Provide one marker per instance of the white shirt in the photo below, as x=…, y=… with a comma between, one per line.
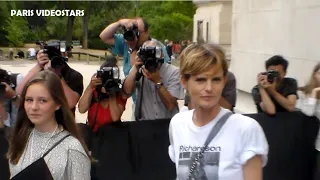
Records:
x=240, y=139
x=32, y=52
x=184, y=108
x=310, y=107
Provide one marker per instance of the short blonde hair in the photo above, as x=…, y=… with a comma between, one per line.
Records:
x=198, y=58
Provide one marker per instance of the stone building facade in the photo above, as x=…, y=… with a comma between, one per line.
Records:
x=254, y=30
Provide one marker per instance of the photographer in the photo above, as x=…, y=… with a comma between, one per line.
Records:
x=136, y=32
x=103, y=98
x=50, y=58
x=275, y=93
x=9, y=100
x=158, y=84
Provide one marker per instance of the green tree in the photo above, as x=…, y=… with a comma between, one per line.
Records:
x=4, y=15
x=169, y=19
x=109, y=12
x=17, y=29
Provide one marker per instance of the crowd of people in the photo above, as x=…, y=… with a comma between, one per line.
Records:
x=37, y=111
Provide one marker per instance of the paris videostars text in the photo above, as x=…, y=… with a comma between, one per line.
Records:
x=47, y=12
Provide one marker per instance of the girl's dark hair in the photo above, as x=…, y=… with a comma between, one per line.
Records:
x=110, y=61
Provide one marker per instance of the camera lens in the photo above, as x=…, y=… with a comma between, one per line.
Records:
x=115, y=72
x=129, y=36
x=56, y=62
x=151, y=65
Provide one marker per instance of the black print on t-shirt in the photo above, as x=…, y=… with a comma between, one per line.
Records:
x=206, y=169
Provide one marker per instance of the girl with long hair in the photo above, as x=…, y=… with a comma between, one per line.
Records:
x=46, y=143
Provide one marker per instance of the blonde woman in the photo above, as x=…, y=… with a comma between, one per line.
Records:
x=309, y=104
x=235, y=151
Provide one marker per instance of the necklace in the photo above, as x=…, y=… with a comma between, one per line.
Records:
x=31, y=137
x=44, y=150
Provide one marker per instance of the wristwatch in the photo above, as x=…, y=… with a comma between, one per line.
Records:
x=158, y=85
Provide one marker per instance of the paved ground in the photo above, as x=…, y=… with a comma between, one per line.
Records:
x=23, y=66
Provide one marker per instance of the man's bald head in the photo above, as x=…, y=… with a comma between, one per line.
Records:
x=150, y=43
x=154, y=43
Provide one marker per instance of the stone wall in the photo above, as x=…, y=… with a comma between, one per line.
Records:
x=263, y=28
x=217, y=16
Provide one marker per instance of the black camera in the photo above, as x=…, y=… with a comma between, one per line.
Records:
x=271, y=75
x=130, y=34
x=151, y=57
x=53, y=49
x=4, y=77
x=110, y=77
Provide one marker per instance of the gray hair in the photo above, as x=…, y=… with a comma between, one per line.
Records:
x=157, y=43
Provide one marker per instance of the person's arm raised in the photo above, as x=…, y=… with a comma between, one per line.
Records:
x=85, y=100
x=107, y=34
x=42, y=59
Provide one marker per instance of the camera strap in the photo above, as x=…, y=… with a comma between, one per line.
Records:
x=137, y=111
x=97, y=100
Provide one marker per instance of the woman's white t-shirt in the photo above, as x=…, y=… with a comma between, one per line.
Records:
x=240, y=139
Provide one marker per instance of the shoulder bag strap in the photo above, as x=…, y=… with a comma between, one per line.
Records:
x=94, y=100
x=137, y=111
x=57, y=143
x=95, y=116
x=214, y=131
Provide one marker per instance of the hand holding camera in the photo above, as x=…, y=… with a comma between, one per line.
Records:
x=126, y=23
x=262, y=81
x=139, y=62
x=51, y=52
x=131, y=32
x=152, y=76
x=95, y=81
x=42, y=58
x=150, y=59
x=268, y=79
x=108, y=81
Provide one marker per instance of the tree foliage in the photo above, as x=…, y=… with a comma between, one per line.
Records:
x=168, y=19
x=16, y=28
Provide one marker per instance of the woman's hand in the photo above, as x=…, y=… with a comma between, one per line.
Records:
x=315, y=92
x=95, y=81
